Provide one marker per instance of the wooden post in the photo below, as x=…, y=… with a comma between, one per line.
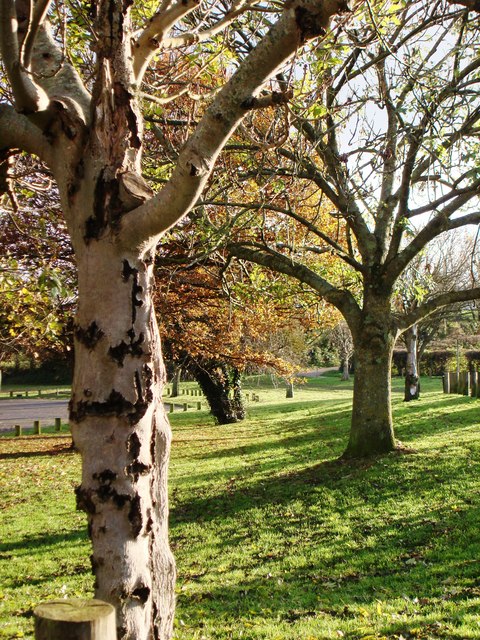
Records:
x=446, y=383
x=39, y=393
x=11, y=394
x=36, y=427
x=185, y=406
x=58, y=424
x=75, y=619
x=199, y=406
x=453, y=381
x=468, y=382
x=475, y=384
x=172, y=407
x=18, y=430
x=26, y=393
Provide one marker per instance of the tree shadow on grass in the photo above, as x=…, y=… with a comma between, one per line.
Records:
x=39, y=543
x=419, y=558
x=34, y=446
x=431, y=418
x=306, y=431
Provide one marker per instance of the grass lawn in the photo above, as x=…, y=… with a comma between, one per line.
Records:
x=34, y=391
x=274, y=538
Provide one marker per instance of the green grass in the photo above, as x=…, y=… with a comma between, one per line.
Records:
x=274, y=538
x=46, y=391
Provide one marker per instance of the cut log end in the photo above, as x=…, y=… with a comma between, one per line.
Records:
x=75, y=619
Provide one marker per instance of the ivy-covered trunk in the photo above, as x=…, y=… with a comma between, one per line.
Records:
x=121, y=430
x=372, y=425
x=222, y=387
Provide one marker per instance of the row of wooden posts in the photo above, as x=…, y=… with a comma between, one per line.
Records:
x=37, y=427
x=462, y=383
x=189, y=391
x=28, y=393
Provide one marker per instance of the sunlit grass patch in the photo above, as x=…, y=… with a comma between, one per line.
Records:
x=275, y=538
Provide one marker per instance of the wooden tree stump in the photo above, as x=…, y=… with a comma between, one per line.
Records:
x=75, y=619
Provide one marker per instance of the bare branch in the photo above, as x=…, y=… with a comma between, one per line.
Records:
x=18, y=132
x=343, y=300
x=471, y=5
x=151, y=39
x=267, y=100
x=29, y=97
x=38, y=16
x=299, y=23
x=434, y=303
x=439, y=224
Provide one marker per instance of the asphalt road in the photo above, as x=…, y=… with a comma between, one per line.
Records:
x=24, y=412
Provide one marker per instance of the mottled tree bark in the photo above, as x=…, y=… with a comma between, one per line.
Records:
x=371, y=430
x=120, y=428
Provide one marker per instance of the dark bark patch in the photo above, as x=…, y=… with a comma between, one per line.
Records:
x=141, y=592
x=149, y=523
x=134, y=445
x=137, y=469
x=153, y=442
x=74, y=184
x=90, y=336
x=115, y=405
x=249, y=103
x=122, y=350
x=135, y=516
x=107, y=207
x=96, y=563
x=123, y=99
x=136, y=302
x=84, y=500
x=155, y=617
x=106, y=492
x=309, y=24
x=128, y=270
x=105, y=477
x=147, y=374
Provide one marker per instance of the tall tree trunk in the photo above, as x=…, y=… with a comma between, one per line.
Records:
x=290, y=389
x=345, y=368
x=176, y=382
x=371, y=430
x=222, y=389
x=120, y=428
x=412, y=380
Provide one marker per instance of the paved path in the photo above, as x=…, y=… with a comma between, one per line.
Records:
x=24, y=412
x=315, y=373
